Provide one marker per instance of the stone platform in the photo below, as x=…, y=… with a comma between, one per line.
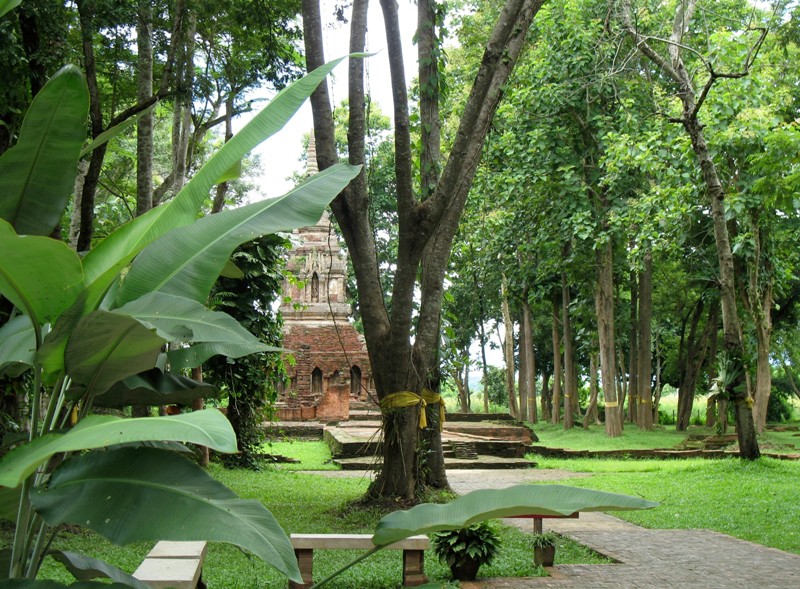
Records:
x=487, y=444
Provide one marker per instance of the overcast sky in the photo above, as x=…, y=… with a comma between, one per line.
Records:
x=281, y=153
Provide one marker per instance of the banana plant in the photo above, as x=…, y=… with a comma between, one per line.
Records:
x=92, y=330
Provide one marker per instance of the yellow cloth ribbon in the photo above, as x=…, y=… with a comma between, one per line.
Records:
x=406, y=399
x=432, y=398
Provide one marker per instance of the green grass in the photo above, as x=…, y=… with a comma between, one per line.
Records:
x=311, y=504
x=312, y=455
x=595, y=438
x=755, y=501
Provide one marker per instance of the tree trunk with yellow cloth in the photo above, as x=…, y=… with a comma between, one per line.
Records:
x=428, y=211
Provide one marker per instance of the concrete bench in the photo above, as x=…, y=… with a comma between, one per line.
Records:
x=176, y=565
x=413, y=554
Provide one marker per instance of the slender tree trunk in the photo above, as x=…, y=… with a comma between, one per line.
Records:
x=633, y=350
x=522, y=374
x=144, y=90
x=570, y=381
x=592, y=414
x=696, y=349
x=467, y=392
x=86, y=17
x=555, y=398
x=657, y=391
x=222, y=187
x=508, y=351
x=644, y=363
x=604, y=306
x=484, y=365
x=530, y=360
x=547, y=397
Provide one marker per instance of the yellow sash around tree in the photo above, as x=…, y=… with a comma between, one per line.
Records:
x=408, y=399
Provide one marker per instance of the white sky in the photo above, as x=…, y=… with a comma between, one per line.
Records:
x=281, y=153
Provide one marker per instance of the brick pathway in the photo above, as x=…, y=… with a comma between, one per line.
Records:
x=646, y=559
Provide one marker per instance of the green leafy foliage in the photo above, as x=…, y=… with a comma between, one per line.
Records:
x=86, y=342
x=476, y=542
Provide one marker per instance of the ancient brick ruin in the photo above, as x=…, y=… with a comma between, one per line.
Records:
x=332, y=367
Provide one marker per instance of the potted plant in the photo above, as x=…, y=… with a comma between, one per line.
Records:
x=464, y=550
x=544, y=548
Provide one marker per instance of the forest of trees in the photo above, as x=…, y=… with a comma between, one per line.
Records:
x=616, y=182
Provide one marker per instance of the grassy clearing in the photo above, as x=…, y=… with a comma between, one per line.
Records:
x=595, y=437
x=633, y=438
x=312, y=504
x=312, y=455
x=754, y=501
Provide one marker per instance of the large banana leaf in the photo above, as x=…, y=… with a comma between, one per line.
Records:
x=41, y=276
x=85, y=568
x=138, y=494
x=9, y=503
x=180, y=319
x=17, y=346
x=188, y=261
x=486, y=504
x=155, y=388
x=206, y=428
x=8, y=5
x=38, y=173
x=103, y=263
x=106, y=347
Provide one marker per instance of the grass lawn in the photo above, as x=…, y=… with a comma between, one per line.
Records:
x=633, y=438
x=755, y=501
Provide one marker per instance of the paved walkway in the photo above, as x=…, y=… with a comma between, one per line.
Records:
x=645, y=559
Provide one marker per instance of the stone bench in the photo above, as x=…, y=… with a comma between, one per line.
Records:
x=175, y=565
x=413, y=554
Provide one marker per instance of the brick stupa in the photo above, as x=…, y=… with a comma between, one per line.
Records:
x=332, y=366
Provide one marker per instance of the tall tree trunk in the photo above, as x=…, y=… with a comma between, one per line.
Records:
x=182, y=112
x=522, y=374
x=604, y=307
x=547, y=397
x=657, y=390
x=696, y=348
x=222, y=187
x=645, y=419
x=397, y=364
x=484, y=365
x=675, y=69
x=508, y=351
x=530, y=359
x=633, y=350
x=144, y=90
x=467, y=392
x=555, y=398
x=86, y=17
x=592, y=414
x=570, y=381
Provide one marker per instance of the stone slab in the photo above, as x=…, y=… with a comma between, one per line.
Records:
x=170, y=549
x=354, y=542
x=163, y=573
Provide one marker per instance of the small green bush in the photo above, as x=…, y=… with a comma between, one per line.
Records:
x=476, y=542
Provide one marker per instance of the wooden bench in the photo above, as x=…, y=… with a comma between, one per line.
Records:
x=413, y=554
x=176, y=565
x=537, y=519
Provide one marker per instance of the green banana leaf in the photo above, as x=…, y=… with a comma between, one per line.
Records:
x=17, y=346
x=188, y=260
x=180, y=319
x=205, y=428
x=8, y=5
x=155, y=387
x=486, y=504
x=173, y=498
x=9, y=503
x=40, y=276
x=106, y=347
x=104, y=262
x=85, y=568
x=38, y=173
